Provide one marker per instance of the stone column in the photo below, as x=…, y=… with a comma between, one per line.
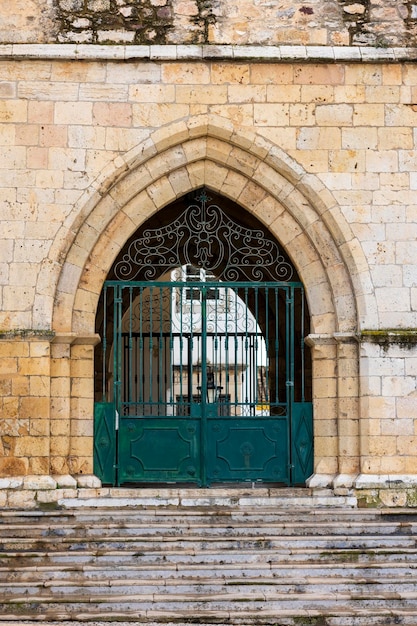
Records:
x=60, y=403
x=82, y=405
x=336, y=409
x=325, y=407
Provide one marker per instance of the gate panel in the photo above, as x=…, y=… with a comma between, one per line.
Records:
x=247, y=450
x=159, y=449
x=302, y=441
x=105, y=441
x=207, y=379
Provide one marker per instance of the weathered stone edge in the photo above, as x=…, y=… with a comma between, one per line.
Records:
x=325, y=54
x=324, y=490
x=386, y=337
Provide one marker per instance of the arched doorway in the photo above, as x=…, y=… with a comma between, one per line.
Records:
x=203, y=375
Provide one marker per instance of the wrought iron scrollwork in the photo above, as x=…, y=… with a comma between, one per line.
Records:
x=204, y=236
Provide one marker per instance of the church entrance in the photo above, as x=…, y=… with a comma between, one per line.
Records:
x=203, y=376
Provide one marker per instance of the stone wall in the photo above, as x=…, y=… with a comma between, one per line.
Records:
x=25, y=403
x=324, y=154
x=380, y=23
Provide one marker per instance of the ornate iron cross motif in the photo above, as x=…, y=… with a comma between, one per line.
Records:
x=205, y=237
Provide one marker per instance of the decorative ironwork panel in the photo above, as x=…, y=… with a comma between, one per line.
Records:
x=204, y=236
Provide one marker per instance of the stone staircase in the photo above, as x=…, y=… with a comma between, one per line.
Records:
x=240, y=559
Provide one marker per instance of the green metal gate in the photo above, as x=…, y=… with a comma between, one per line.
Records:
x=204, y=374
x=206, y=384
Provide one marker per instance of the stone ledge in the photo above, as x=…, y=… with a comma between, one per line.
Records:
x=343, y=491
x=387, y=337
x=73, y=492
x=323, y=54
x=27, y=334
x=386, y=481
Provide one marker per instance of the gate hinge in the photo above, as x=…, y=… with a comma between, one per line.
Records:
x=290, y=383
x=116, y=421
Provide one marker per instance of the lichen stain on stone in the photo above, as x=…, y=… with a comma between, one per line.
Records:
x=373, y=24
x=115, y=21
x=306, y=10
x=203, y=20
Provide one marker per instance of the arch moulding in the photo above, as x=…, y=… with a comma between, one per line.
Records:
x=293, y=205
x=246, y=168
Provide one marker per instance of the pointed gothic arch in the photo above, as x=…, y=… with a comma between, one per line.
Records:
x=203, y=293
x=296, y=209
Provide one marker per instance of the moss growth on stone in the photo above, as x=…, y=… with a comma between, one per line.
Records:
x=406, y=337
x=27, y=333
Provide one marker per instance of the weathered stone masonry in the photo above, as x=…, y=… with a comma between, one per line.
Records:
x=318, y=141
x=380, y=23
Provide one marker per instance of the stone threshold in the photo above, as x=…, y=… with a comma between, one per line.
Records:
x=73, y=492
x=322, y=490
x=204, y=52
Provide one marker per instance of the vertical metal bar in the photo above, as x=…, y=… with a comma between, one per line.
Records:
x=130, y=359
x=290, y=369
x=181, y=346
x=160, y=353
x=254, y=376
x=267, y=348
x=151, y=339
x=117, y=360
x=277, y=346
x=171, y=361
x=141, y=382
x=104, y=343
x=236, y=378
x=302, y=347
x=215, y=345
x=226, y=348
x=190, y=353
x=117, y=365
x=203, y=383
x=246, y=348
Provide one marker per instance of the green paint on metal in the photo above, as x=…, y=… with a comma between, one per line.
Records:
x=302, y=441
x=105, y=442
x=208, y=381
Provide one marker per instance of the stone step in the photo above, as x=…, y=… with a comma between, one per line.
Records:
x=263, y=569
x=115, y=557
x=216, y=515
x=217, y=605
x=166, y=546
x=237, y=566
x=181, y=599
x=210, y=560
x=201, y=528
x=237, y=498
x=195, y=587
x=303, y=618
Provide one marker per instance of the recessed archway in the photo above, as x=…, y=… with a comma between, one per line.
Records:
x=203, y=320
x=293, y=206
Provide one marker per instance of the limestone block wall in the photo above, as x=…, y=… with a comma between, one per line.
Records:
x=389, y=403
x=25, y=403
x=71, y=130
x=239, y=22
